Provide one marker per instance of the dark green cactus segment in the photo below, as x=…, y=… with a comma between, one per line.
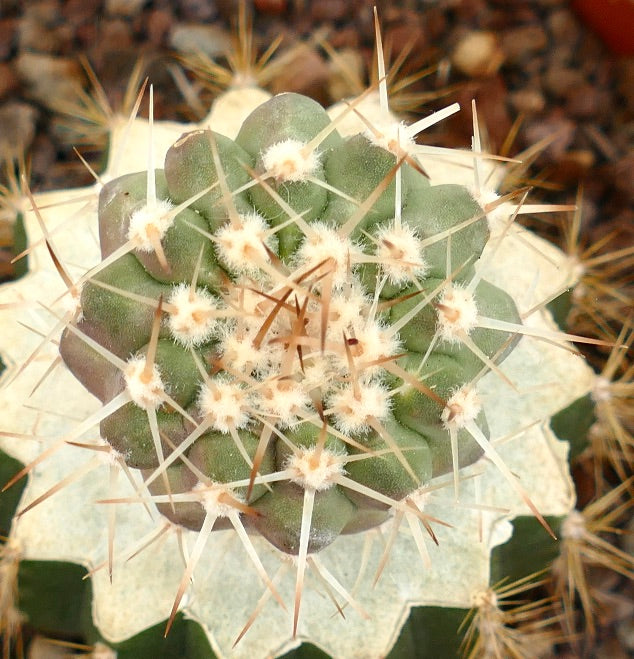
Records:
x=9, y=500
x=219, y=458
x=189, y=514
x=128, y=431
x=119, y=199
x=177, y=368
x=93, y=370
x=41, y=605
x=183, y=244
x=435, y=209
x=190, y=169
x=386, y=473
x=358, y=167
x=288, y=117
x=491, y=302
x=279, y=517
x=528, y=551
x=441, y=373
x=573, y=424
x=124, y=324
x=439, y=442
x=283, y=117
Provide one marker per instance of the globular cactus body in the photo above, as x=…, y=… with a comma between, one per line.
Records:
x=280, y=337
x=293, y=334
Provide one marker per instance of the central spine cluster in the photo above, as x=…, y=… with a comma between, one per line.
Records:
x=285, y=329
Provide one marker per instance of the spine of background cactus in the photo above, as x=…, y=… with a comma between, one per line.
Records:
x=294, y=340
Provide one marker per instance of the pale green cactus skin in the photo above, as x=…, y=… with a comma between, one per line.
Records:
x=69, y=526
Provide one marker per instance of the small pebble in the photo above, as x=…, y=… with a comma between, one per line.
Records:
x=520, y=43
x=49, y=79
x=477, y=54
x=17, y=126
x=9, y=81
x=159, y=22
x=211, y=40
x=127, y=8
x=8, y=31
x=559, y=80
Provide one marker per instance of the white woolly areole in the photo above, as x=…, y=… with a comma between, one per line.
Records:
x=457, y=313
x=461, y=408
x=224, y=403
x=283, y=399
x=146, y=392
x=602, y=390
x=499, y=215
x=193, y=320
x=391, y=135
x=149, y=224
x=485, y=599
x=287, y=161
x=352, y=409
x=314, y=471
x=372, y=342
x=326, y=243
x=239, y=351
x=346, y=308
x=210, y=496
x=241, y=247
x=399, y=249
x=574, y=526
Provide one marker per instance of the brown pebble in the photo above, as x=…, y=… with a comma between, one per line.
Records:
x=8, y=31
x=586, y=101
x=158, y=24
x=573, y=166
x=115, y=34
x=9, y=81
x=307, y=73
x=271, y=6
x=554, y=127
x=127, y=8
x=49, y=79
x=329, y=10
x=212, y=40
x=42, y=29
x=408, y=36
x=528, y=101
x=80, y=12
x=17, y=127
x=520, y=43
x=560, y=80
x=490, y=95
x=564, y=26
x=196, y=10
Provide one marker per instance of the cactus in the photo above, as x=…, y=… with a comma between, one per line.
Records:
x=295, y=336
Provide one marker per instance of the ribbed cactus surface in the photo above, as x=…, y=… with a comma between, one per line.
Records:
x=307, y=324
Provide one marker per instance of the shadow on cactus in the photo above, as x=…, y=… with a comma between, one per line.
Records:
x=305, y=337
